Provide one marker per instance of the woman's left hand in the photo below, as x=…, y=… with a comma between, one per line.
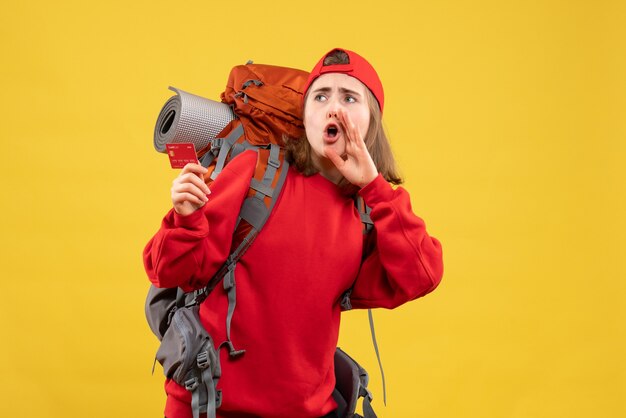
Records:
x=356, y=165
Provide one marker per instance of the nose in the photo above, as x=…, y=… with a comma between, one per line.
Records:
x=333, y=109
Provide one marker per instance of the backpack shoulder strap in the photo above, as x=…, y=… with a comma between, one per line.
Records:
x=265, y=187
x=364, y=213
x=346, y=304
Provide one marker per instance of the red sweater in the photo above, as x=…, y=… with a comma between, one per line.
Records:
x=290, y=282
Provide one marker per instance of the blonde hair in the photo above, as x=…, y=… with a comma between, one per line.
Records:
x=299, y=152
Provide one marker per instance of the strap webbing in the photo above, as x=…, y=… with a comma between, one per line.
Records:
x=254, y=212
x=273, y=163
x=364, y=213
x=227, y=144
x=261, y=187
x=195, y=403
x=211, y=405
x=229, y=286
x=205, y=398
x=368, y=411
x=380, y=364
x=207, y=159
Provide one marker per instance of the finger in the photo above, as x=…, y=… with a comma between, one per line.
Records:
x=194, y=168
x=180, y=198
x=199, y=182
x=199, y=189
x=332, y=155
x=354, y=136
x=190, y=189
x=347, y=123
x=341, y=118
x=194, y=179
x=358, y=136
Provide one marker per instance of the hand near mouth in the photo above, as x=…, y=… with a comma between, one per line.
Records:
x=356, y=165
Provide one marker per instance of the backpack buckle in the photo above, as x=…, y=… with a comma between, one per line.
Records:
x=273, y=160
x=257, y=83
x=203, y=359
x=365, y=393
x=191, y=384
x=241, y=94
x=346, y=303
x=273, y=163
x=216, y=143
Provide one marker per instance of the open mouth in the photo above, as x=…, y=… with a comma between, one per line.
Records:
x=332, y=131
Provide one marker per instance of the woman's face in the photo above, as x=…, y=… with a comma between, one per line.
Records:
x=327, y=95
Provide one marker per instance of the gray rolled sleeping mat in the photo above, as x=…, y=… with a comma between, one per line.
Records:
x=190, y=118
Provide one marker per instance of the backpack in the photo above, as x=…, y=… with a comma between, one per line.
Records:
x=267, y=103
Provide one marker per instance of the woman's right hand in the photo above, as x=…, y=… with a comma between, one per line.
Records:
x=189, y=192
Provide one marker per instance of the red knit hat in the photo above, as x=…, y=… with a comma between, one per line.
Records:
x=358, y=68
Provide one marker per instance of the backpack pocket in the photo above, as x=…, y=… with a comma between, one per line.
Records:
x=186, y=347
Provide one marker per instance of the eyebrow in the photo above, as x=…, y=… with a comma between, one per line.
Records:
x=342, y=90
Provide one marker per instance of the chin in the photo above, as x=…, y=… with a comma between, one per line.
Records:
x=338, y=148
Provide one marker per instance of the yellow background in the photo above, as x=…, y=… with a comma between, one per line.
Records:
x=507, y=119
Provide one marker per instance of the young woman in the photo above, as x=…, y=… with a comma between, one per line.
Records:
x=312, y=249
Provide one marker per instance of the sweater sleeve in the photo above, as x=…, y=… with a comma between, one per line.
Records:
x=403, y=262
x=188, y=250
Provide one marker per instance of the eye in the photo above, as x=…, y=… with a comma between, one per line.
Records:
x=350, y=99
x=320, y=98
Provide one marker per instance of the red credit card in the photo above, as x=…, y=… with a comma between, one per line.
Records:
x=181, y=153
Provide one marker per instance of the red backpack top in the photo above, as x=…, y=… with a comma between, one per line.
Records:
x=267, y=102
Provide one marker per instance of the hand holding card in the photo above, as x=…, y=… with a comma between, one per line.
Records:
x=181, y=154
x=189, y=191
